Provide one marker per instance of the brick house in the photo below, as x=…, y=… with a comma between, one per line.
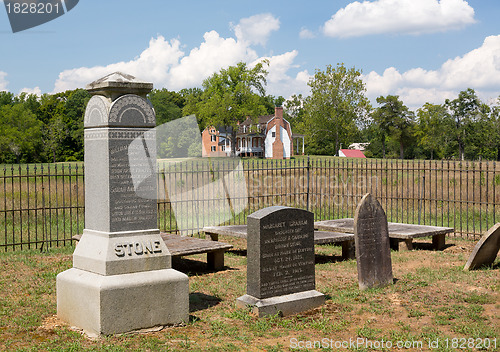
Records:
x=270, y=137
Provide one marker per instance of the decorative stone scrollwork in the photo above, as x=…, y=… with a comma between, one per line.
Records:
x=96, y=113
x=131, y=111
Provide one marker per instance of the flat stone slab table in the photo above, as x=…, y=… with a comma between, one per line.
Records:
x=320, y=237
x=401, y=235
x=179, y=246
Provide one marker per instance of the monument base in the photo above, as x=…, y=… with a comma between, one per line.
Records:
x=104, y=305
x=284, y=305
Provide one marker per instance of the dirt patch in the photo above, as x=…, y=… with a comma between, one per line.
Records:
x=432, y=297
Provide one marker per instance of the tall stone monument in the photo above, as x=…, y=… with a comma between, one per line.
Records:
x=121, y=278
x=371, y=238
x=280, y=269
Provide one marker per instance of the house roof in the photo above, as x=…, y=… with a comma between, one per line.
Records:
x=351, y=153
x=261, y=120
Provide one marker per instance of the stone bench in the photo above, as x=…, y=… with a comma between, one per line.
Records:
x=400, y=235
x=179, y=246
x=320, y=237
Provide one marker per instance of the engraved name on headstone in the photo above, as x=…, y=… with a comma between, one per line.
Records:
x=280, y=242
x=371, y=237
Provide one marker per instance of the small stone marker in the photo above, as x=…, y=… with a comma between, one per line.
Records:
x=371, y=237
x=280, y=269
x=486, y=250
x=121, y=278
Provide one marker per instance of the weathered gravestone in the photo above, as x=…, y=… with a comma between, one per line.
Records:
x=371, y=238
x=121, y=278
x=280, y=262
x=486, y=250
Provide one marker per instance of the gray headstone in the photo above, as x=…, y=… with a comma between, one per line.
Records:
x=121, y=266
x=280, y=262
x=486, y=250
x=371, y=237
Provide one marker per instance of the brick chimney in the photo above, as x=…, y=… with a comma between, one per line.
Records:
x=278, y=144
x=278, y=112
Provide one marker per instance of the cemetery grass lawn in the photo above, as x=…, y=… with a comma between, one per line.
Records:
x=433, y=299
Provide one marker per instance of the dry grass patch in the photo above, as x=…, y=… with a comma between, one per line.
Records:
x=432, y=298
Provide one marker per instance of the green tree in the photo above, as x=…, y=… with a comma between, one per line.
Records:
x=229, y=96
x=494, y=128
x=294, y=111
x=6, y=98
x=30, y=101
x=73, y=114
x=270, y=102
x=431, y=128
x=20, y=134
x=464, y=111
x=395, y=120
x=168, y=105
x=336, y=107
x=54, y=133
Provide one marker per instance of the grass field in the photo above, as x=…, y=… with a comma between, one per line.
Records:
x=432, y=301
x=44, y=203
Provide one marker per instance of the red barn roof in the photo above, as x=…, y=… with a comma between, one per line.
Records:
x=351, y=153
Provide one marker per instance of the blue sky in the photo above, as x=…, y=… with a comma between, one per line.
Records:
x=421, y=50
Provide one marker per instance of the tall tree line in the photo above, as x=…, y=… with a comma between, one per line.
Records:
x=336, y=113
x=42, y=129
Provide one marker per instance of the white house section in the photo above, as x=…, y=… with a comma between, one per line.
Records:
x=286, y=143
x=270, y=137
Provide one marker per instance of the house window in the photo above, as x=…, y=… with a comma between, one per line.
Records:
x=213, y=148
x=213, y=138
x=273, y=134
x=223, y=148
x=244, y=129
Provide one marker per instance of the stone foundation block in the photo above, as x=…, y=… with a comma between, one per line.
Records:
x=104, y=305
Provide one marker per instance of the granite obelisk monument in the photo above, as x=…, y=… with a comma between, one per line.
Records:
x=121, y=278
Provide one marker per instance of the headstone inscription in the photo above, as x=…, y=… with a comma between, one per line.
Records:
x=121, y=278
x=486, y=250
x=280, y=257
x=372, y=245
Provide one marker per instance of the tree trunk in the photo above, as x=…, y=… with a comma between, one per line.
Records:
x=401, y=150
x=498, y=153
x=383, y=147
x=233, y=141
x=337, y=151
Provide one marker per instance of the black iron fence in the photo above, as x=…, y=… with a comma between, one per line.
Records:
x=43, y=204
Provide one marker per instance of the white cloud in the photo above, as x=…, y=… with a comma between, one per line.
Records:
x=164, y=64
x=279, y=82
x=256, y=29
x=212, y=55
x=152, y=65
x=478, y=69
x=399, y=16
x=3, y=82
x=36, y=91
x=306, y=34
